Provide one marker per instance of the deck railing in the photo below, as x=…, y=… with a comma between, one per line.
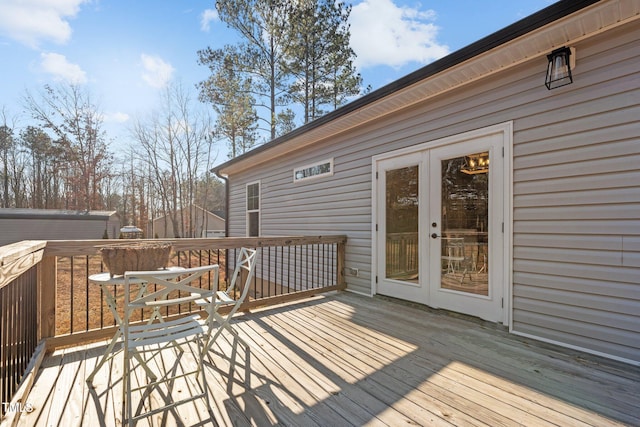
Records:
x=46, y=296
x=402, y=255
x=18, y=314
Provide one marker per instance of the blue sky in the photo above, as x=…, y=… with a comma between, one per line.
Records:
x=126, y=51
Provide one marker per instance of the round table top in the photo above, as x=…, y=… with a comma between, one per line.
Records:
x=105, y=278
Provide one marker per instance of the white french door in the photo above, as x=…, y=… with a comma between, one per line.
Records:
x=440, y=231
x=401, y=260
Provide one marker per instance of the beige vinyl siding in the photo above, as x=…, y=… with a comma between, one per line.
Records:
x=576, y=190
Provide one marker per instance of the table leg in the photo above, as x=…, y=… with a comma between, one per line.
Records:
x=108, y=354
x=111, y=303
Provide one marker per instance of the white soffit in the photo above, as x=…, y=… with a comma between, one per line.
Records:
x=569, y=30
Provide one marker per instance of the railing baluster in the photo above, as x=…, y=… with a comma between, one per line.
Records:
x=18, y=330
x=295, y=268
x=101, y=308
x=306, y=270
x=324, y=265
x=86, y=287
x=269, y=270
x=279, y=279
x=71, y=298
x=288, y=268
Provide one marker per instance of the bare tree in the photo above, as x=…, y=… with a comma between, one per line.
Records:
x=174, y=145
x=7, y=146
x=45, y=160
x=69, y=113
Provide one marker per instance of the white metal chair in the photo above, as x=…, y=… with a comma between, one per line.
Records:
x=166, y=291
x=454, y=255
x=232, y=297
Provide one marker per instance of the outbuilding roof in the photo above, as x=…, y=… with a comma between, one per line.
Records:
x=25, y=213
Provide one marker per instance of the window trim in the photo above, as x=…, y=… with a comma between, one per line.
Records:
x=311, y=165
x=250, y=211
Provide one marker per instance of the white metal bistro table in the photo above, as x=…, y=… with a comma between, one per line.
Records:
x=108, y=282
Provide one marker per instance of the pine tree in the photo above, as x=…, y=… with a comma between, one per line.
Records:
x=319, y=57
x=292, y=53
x=263, y=26
x=229, y=92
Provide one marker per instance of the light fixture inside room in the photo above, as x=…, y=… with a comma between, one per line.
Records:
x=476, y=163
x=561, y=62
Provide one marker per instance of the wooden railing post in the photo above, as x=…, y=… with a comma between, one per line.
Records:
x=47, y=285
x=340, y=262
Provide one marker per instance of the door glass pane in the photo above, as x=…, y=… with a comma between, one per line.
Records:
x=402, y=224
x=465, y=219
x=254, y=223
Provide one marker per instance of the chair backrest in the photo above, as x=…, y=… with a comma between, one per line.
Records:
x=245, y=266
x=171, y=287
x=455, y=247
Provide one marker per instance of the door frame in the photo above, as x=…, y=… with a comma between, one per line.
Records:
x=505, y=130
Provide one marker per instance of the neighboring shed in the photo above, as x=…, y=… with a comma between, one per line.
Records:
x=469, y=186
x=54, y=224
x=193, y=221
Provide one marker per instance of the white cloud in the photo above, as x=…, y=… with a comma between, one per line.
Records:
x=207, y=16
x=383, y=33
x=61, y=69
x=157, y=73
x=33, y=21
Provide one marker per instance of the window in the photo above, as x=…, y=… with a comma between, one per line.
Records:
x=253, y=209
x=316, y=170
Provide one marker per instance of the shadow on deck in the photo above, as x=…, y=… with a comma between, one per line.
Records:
x=343, y=359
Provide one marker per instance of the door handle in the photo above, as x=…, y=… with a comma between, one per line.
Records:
x=434, y=236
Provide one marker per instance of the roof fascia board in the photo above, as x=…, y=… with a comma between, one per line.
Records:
x=43, y=214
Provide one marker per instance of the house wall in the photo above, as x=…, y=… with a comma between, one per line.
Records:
x=576, y=190
x=214, y=225
x=577, y=206
x=113, y=227
x=163, y=227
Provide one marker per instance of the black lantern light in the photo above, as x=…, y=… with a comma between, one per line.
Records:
x=559, y=68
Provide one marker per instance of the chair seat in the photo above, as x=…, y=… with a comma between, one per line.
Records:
x=179, y=300
x=222, y=298
x=155, y=333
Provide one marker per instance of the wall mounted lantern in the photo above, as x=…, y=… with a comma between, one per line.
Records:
x=561, y=62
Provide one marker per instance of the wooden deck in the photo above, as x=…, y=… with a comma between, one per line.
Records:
x=343, y=359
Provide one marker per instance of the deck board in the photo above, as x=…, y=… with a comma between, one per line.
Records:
x=344, y=359
x=449, y=396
